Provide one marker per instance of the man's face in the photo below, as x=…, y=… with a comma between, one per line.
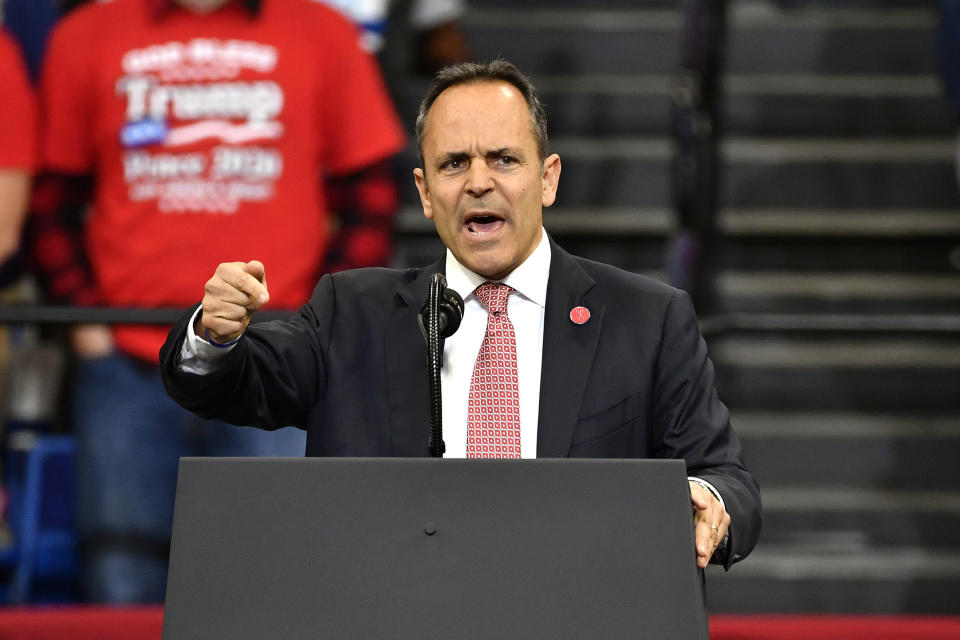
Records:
x=482, y=182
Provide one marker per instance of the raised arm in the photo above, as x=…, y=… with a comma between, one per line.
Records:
x=269, y=374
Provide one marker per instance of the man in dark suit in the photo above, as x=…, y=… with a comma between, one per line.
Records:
x=601, y=363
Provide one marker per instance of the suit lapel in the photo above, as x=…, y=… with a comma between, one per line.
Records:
x=408, y=388
x=568, y=351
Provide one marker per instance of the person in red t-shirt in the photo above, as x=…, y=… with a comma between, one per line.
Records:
x=208, y=127
x=17, y=160
x=17, y=145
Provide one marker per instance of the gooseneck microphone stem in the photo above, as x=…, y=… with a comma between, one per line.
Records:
x=439, y=318
x=434, y=355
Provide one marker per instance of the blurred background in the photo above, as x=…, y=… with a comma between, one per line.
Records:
x=791, y=163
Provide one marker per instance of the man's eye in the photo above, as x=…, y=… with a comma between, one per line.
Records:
x=506, y=161
x=452, y=164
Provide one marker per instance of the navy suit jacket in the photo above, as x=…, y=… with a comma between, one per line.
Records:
x=635, y=381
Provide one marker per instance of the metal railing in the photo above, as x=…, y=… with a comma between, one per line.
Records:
x=711, y=325
x=60, y=315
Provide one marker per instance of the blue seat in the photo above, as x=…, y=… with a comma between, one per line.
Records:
x=43, y=560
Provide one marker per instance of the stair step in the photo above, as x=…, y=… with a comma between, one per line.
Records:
x=640, y=240
x=763, y=38
x=903, y=463
x=908, y=527
x=545, y=41
x=761, y=104
x=793, y=563
x=732, y=223
x=838, y=352
x=785, y=150
x=862, y=500
x=844, y=105
x=859, y=517
x=582, y=5
x=882, y=173
x=837, y=372
x=828, y=42
x=785, y=579
x=923, y=254
x=837, y=425
x=810, y=173
x=870, y=512
x=742, y=14
x=848, y=223
x=807, y=324
x=619, y=4
x=749, y=289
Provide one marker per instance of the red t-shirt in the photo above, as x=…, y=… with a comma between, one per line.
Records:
x=18, y=117
x=208, y=136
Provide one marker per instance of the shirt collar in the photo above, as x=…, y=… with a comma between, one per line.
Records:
x=529, y=279
x=161, y=8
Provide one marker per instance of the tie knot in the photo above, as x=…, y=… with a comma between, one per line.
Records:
x=493, y=296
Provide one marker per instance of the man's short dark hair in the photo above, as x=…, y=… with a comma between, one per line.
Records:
x=497, y=70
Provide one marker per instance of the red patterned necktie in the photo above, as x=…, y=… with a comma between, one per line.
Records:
x=493, y=418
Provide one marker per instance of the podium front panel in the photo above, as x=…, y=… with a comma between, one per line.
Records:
x=417, y=549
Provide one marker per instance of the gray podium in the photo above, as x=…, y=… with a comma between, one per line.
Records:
x=423, y=549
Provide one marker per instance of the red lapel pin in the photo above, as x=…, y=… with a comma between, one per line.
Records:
x=579, y=315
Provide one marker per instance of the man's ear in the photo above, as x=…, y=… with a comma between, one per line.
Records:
x=551, y=179
x=421, y=181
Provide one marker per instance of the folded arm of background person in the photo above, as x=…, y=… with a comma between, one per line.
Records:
x=14, y=195
x=365, y=203
x=57, y=255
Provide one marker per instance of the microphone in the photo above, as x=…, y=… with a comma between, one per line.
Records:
x=449, y=306
x=439, y=318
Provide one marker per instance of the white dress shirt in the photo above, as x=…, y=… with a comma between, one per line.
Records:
x=525, y=308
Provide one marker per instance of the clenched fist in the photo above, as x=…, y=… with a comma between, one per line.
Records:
x=234, y=293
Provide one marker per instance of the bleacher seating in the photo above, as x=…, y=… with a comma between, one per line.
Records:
x=41, y=565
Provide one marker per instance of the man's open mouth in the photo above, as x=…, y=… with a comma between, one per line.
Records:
x=483, y=223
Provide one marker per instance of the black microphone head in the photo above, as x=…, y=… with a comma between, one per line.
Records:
x=451, y=312
x=449, y=308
